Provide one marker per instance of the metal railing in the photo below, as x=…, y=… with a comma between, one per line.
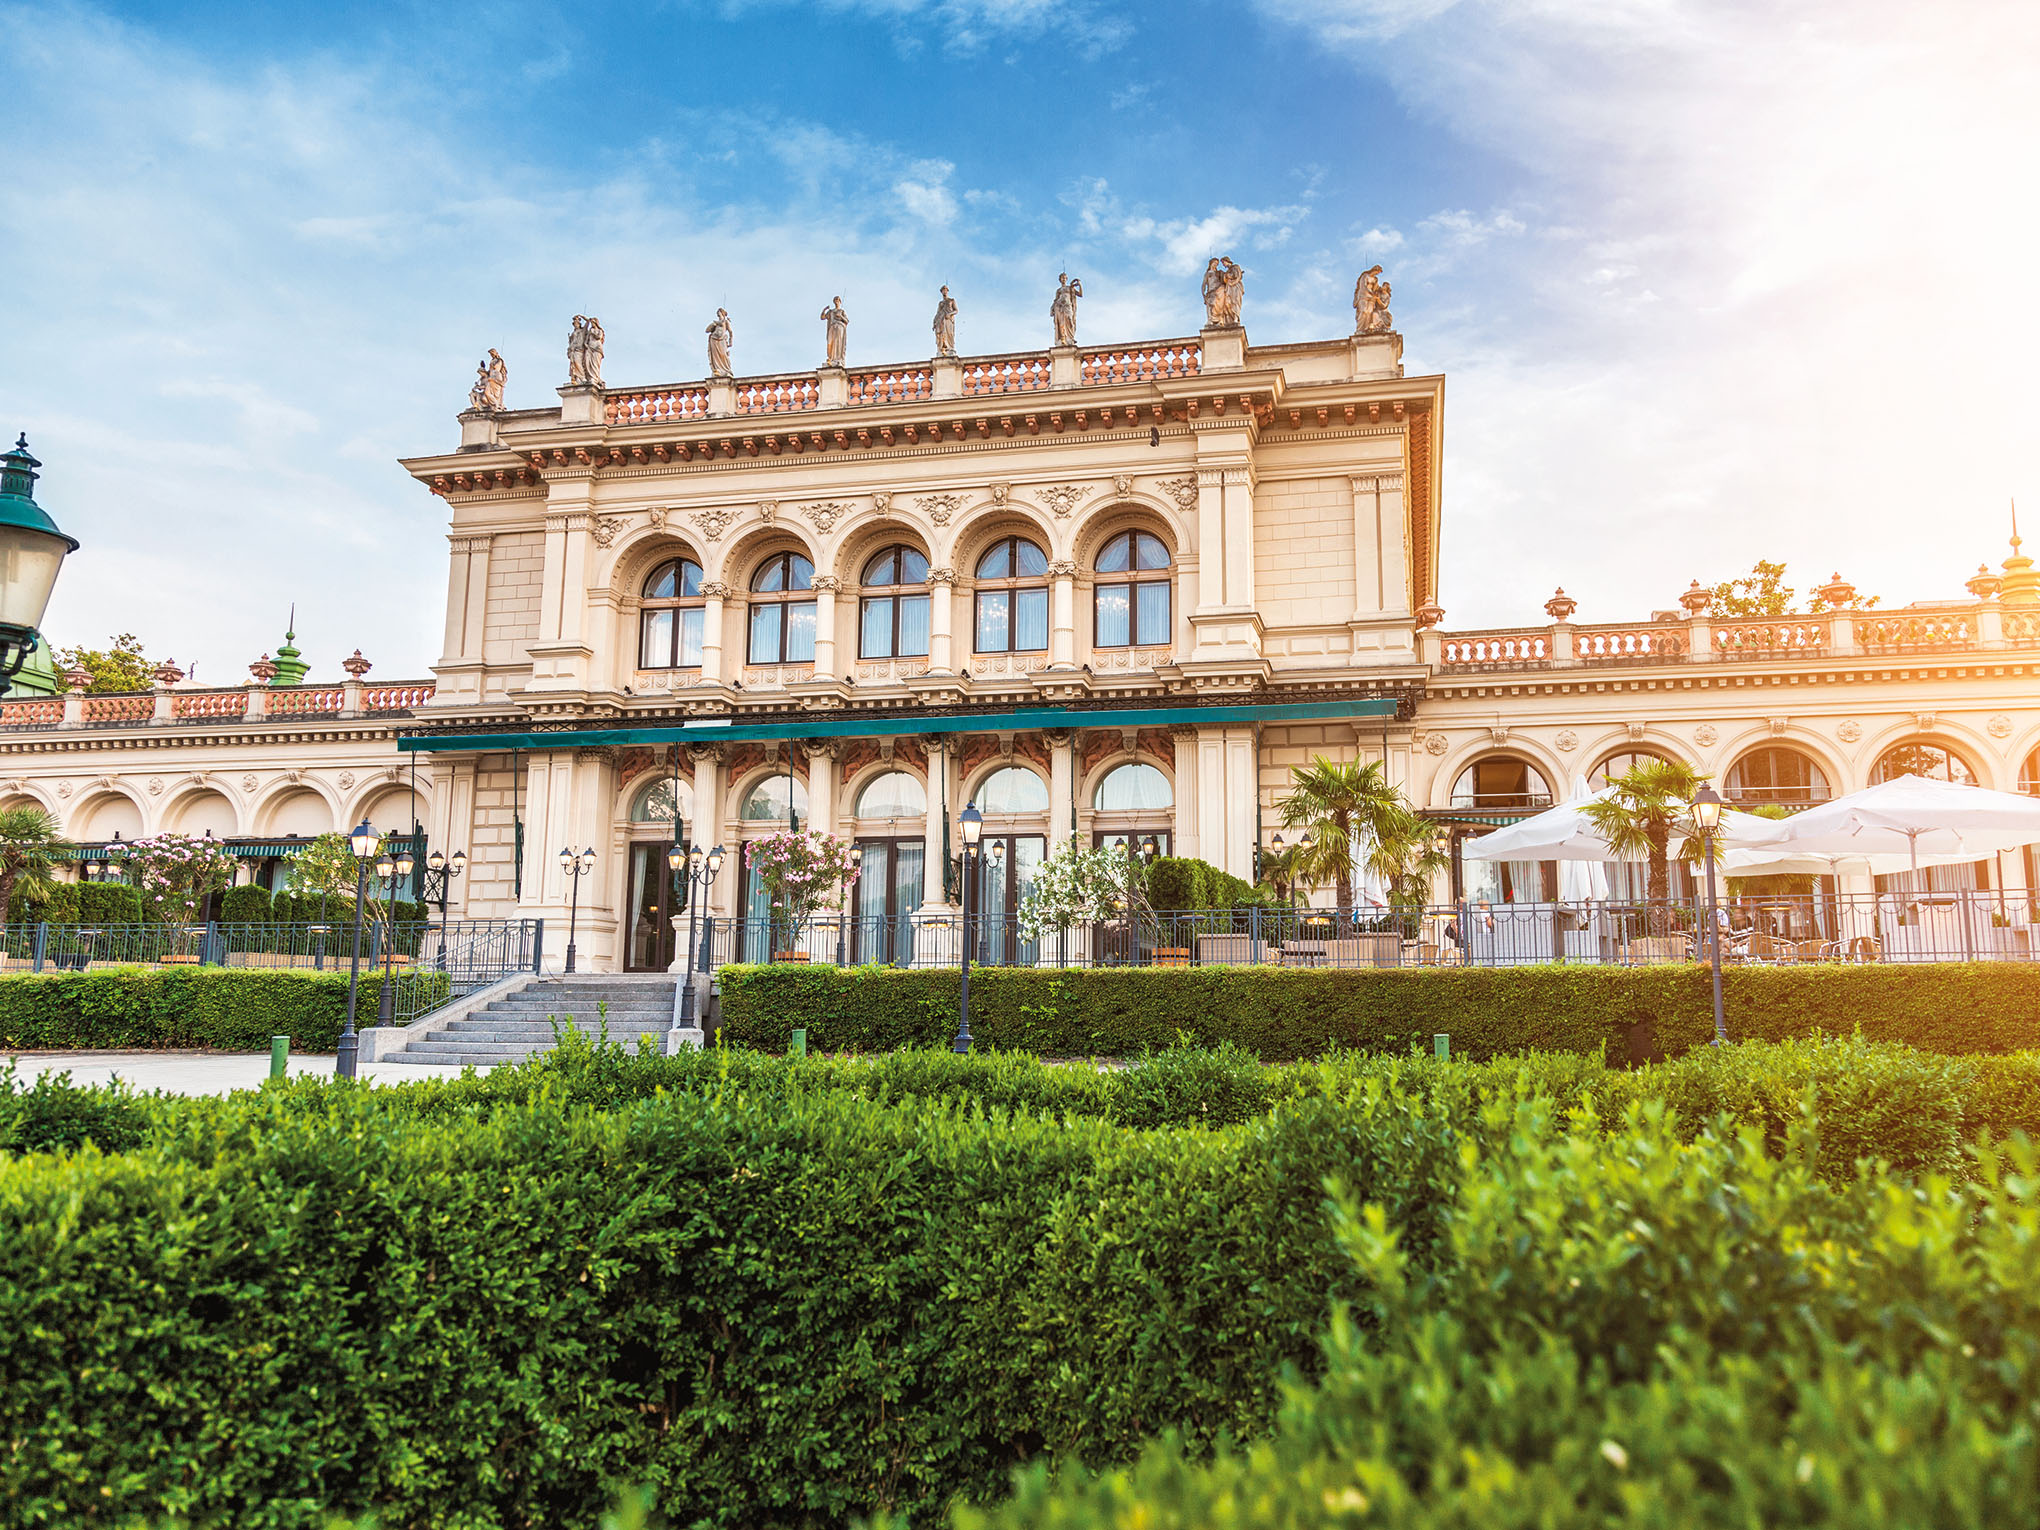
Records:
x=1771, y=929
x=429, y=962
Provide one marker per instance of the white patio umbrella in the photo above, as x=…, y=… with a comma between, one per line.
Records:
x=1900, y=825
x=1582, y=881
x=1565, y=833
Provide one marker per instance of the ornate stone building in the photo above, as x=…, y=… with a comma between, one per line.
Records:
x=1102, y=592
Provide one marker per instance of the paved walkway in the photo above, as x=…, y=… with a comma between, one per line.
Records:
x=203, y=1072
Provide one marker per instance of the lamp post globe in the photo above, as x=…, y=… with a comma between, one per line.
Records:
x=363, y=842
x=32, y=550
x=576, y=867
x=1707, y=807
x=972, y=823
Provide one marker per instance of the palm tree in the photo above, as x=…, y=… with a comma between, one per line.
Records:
x=30, y=843
x=1645, y=807
x=1407, y=854
x=1336, y=801
x=1281, y=869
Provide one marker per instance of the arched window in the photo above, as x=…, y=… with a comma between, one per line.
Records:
x=766, y=802
x=2029, y=776
x=1620, y=764
x=896, y=794
x=657, y=801
x=1501, y=781
x=1775, y=773
x=783, y=611
x=1012, y=598
x=1929, y=760
x=894, y=624
x=1012, y=790
x=1132, y=606
x=1133, y=789
x=669, y=630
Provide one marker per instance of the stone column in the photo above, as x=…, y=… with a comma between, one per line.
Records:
x=821, y=784
x=1394, y=546
x=940, y=810
x=1211, y=561
x=1062, y=615
x=1367, y=537
x=1062, y=778
x=1238, y=490
x=1242, y=786
x=941, y=614
x=1210, y=793
x=825, y=587
x=1184, y=736
x=458, y=553
x=712, y=631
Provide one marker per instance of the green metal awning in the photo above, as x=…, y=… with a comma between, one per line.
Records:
x=860, y=725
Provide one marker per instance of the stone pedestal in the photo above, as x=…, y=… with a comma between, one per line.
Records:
x=1065, y=366
x=948, y=377
x=1376, y=356
x=478, y=428
x=835, y=387
x=581, y=404
x=1225, y=350
x=722, y=397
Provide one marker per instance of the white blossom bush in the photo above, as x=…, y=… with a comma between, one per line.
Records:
x=176, y=873
x=1079, y=886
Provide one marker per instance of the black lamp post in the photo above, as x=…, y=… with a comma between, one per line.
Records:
x=440, y=870
x=702, y=868
x=973, y=824
x=363, y=842
x=1707, y=818
x=392, y=869
x=576, y=867
x=32, y=549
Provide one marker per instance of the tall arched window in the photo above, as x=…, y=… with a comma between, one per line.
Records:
x=894, y=624
x=1776, y=773
x=1012, y=598
x=896, y=794
x=669, y=630
x=1501, y=781
x=1929, y=760
x=1620, y=764
x=766, y=802
x=783, y=611
x=2029, y=777
x=1011, y=790
x=663, y=800
x=1133, y=789
x=1132, y=605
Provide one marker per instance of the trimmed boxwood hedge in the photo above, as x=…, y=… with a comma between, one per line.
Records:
x=1626, y=1014
x=217, y=1007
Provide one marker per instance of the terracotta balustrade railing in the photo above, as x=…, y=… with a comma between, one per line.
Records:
x=396, y=698
x=649, y=405
x=305, y=699
x=1772, y=637
x=1142, y=363
x=904, y=385
x=125, y=707
x=32, y=714
x=2022, y=626
x=778, y=395
x=1627, y=645
x=203, y=704
x=1910, y=631
x=1005, y=374
x=1493, y=650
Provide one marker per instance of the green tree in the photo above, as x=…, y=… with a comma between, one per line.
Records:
x=1282, y=871
x=1407, y=854
x=121, y=667
x=30, y=844
x=1763, y=592
x=1337, y=801
x=1647, y=805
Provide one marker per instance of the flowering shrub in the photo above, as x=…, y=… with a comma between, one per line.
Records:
x=1079, y=886
x=803, y=872
x=176, y=873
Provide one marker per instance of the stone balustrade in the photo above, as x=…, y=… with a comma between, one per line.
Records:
x=250, y=704
x=1698, y=639
x=1141, y=363
x=1004, y=374
x=651, y=405
x=777, y=395
x=902, y=385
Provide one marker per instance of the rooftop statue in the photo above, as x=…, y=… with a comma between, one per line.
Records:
x=1225, y=291
x=720, y=336
x=839, y=331
x=492, y=376
x=584, y=352
x=945, y=325
x=1064, y=309
x=1370, y=304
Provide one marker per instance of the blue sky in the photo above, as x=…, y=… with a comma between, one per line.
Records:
x=1709, y=282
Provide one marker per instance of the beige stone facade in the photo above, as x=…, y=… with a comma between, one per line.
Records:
x=1106, y=592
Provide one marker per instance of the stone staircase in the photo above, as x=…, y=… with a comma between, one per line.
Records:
x=519, y=1026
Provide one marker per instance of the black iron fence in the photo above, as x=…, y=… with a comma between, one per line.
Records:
x=1882, y=927
x=427, y=962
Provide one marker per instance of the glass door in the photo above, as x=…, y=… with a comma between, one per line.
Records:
x=888, y=891
x=657, y=893
x=1003, y=882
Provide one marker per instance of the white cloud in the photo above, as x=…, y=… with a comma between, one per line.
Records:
x=925, y=193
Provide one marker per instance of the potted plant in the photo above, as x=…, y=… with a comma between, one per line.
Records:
x=804, y=872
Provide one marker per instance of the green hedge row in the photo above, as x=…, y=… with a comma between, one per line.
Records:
x=224, y=1008
x=778, y=1302
x=1627, y=1014
x=78, y=903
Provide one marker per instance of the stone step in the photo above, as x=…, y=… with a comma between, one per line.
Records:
x=529, y=1038
x=657, y=1015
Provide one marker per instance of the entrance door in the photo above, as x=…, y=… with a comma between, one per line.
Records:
x=657, y=893
x=888, y=891
x=1003, y=882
